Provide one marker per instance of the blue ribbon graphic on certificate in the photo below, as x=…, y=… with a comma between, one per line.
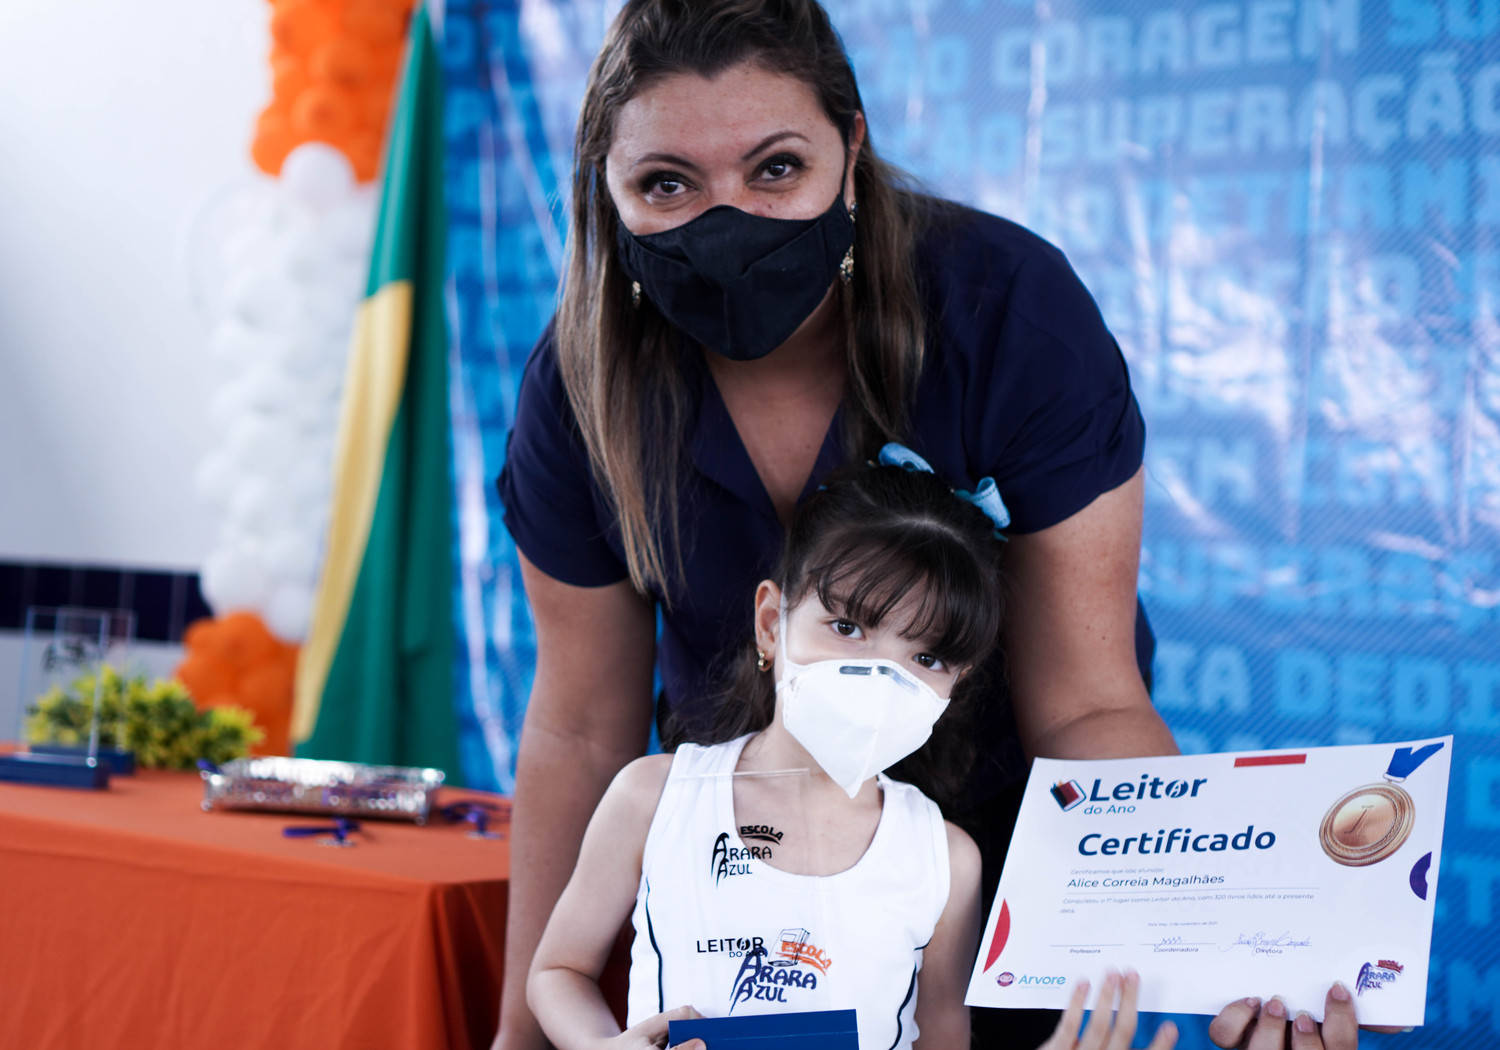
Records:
x=1221, y=876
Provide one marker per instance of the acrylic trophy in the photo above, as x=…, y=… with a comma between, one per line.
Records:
x=746, y=914
x=68, y=736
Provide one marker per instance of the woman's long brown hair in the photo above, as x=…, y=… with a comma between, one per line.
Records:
x=619, y=362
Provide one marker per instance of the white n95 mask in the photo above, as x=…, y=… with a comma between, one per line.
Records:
x=855, y=717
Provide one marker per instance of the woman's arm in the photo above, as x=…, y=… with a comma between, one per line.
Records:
x=1070, y=638
x=942, y=1017
x=588, y=715
x=563, y=989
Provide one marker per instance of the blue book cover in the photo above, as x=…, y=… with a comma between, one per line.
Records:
x=823, y=1029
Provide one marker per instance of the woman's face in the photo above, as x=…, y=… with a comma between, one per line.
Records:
x=755, y=140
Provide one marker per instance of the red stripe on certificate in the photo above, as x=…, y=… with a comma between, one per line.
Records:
x=1002, y=934
x=1270, y=760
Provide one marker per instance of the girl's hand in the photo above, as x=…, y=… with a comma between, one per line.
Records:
x=1109, y=1028
x=1248, y=1025
x=652, y=1032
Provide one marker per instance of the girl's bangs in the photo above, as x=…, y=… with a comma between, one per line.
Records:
x=956, y=617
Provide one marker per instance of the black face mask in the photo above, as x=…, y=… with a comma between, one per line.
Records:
x=738, y=283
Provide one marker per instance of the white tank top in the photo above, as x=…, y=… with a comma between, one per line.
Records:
x=719, y=928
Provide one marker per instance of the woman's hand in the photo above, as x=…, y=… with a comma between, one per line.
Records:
x=1109, y=1027
x=652, y=1032
x=1246, y=1024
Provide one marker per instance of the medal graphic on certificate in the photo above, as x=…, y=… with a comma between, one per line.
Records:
x=1368, y=824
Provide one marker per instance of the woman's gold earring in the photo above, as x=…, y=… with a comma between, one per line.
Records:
x=846, y=266
x=762, y=661
x=635, y=293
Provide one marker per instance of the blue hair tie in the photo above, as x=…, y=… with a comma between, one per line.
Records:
x=985, y=495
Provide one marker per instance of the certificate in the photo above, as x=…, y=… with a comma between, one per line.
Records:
x=1223, y=876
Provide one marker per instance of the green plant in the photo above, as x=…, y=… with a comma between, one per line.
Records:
x=157, y=720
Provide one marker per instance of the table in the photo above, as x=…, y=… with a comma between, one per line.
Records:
x=130, y=918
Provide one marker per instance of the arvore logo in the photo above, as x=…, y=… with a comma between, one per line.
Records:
x=1005, y=979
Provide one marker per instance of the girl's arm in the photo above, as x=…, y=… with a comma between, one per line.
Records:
x=942, y=1017
x=563, y=987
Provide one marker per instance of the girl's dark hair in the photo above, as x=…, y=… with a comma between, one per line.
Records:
x=619, y=363
x=868, y=539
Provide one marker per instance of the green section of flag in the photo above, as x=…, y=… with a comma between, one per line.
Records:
x=388, y=696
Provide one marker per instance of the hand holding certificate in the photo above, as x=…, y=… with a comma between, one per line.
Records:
x=1219, y=875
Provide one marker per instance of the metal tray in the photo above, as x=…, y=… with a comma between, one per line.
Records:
x=305, y=785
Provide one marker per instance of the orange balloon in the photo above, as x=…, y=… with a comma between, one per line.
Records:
x=299, y=26
x=267, y=692
x=204, y=678
x=269, y=152
x=375, y=107
x=364, y=154
x=375, y=21
x=345, y=62
x=289, y=77
x=199, y=634
x=323, y=111
x=248, y=640
x=236, y=660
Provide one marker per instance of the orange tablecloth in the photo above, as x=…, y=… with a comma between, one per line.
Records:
x=130, y=918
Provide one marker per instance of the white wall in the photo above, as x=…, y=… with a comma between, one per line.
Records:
x=120, y=125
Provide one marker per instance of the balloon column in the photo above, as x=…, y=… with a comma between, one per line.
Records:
x=333, y=64
x=286, y=273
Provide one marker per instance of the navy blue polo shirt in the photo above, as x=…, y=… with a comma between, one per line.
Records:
x=1021, y=382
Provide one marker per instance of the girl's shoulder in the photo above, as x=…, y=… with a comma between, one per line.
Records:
x=644, y=775
x=642, y=780
x=636, y=789
x=963, y=854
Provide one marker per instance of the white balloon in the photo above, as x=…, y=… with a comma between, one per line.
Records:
x=351, y=228
x=292, y=551
x=332, y=301
x=233, y=342
x=317, y=175
x=248, y=435
x=280, y=454
x=310, y=420
x=214, y=480
x=232, y=579
x=288, y=612
x=252, y=505
x=267, y=387
x=312, y=359
x=310, y=251
x=264, y=298
x=227, y=405
x=249, y=246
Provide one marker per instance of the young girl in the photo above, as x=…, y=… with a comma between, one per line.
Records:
x=841, y=887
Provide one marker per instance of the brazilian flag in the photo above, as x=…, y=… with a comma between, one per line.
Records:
x=375, y=677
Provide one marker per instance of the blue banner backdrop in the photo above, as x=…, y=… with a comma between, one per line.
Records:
x=1287, y=210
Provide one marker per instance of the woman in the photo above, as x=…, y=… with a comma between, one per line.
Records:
x=752, y=299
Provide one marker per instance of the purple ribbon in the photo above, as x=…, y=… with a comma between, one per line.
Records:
x=340, y=830
x=1406, y=760
x=474, y=812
